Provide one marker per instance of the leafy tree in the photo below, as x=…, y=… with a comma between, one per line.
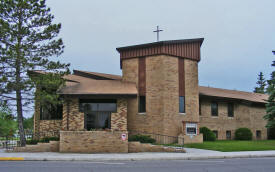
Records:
x=28, y=40
x=261, y=84
x=270, y=106
x=28, y=123
x=8, y=125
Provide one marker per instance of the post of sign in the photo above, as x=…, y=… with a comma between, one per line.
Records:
x=123, y=137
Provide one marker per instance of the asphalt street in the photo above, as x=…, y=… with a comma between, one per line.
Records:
x=213, y=165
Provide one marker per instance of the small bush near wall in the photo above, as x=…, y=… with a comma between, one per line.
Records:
x=32, y=142
x=271, y=133
x=48, y=139
x=208, y=135
x=243, y=134
x=141, y=139
x=43, y=140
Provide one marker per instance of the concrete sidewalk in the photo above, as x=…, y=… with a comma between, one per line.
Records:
x=192, y=154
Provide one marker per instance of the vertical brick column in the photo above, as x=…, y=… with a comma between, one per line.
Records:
x=119, y=119
x=36, y=120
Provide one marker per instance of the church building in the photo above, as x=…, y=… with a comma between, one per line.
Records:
x=157, y=94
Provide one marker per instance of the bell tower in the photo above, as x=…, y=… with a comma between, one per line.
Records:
x=166, y=75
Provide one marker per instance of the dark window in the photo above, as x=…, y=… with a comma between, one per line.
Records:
x=216, y=133
x=97, y=120
x=97, y=112
x=51, y=112
x=214, y=108
x=182, y=104
x=95, y=105
x=258, y=134
x=191, y=130
x=142, y=104
x=200, y=107
x=228, y=135
x=230, y=109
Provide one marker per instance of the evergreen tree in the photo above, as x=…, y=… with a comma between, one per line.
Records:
x=261, y=84
x=7, y=122
x=28, y=40
x=270, y=106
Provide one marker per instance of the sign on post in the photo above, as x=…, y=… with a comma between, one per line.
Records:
x=123, y=137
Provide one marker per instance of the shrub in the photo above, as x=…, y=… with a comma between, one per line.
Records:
x=243, y=134
x=208, y=135
x=48, y=139
x=142, y=138
x=271, y=133
x=31, y=142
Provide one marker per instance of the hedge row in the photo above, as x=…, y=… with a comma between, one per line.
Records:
x=43, y=140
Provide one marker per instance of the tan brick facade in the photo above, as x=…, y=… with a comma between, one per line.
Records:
x=44, y=128
x=73, y=119
x=162, y=95
x=119, y=119
x=245, y=115
x=158, y=74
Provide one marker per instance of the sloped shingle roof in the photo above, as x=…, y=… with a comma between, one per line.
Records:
x=233, y=94
x=93, y=83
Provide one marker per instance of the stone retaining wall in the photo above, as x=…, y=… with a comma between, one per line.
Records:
x=146, y=147
x=93, y=142
x=186, y=139
x=52, y=146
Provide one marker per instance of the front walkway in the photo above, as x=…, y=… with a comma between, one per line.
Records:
x=190, y=155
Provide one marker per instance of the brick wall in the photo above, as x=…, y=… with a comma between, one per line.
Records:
x=245, y=115
x=45, y=127
x=130, y=74
x=162, y=95
x=52, y=146
x=119, y=119
x=73, y=119
x=93, y=141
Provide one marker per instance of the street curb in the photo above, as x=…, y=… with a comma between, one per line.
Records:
x=143, y=158
x=11, y=159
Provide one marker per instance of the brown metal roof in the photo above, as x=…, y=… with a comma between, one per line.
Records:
x=96, y=75
x=185, y=48
x=99, y=87
x=180, y=41
x=93, y=83
x=233, y=94
x=86, y=85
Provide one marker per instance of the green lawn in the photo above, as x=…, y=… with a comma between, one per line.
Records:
x=234, y=145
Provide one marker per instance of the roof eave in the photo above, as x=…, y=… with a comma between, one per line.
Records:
x=181, y=41
x=232, y=98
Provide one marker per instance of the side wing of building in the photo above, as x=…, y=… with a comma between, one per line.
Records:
x=224, y=111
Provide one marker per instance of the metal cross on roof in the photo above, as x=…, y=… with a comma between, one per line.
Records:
x=158, y=30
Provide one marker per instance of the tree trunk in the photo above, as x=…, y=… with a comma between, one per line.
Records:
x=19, y=105
x=20, y=118
x=19, y=84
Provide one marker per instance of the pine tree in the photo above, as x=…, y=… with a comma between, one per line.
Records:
x=261, y=84
x=28, y=40
x=270, y=106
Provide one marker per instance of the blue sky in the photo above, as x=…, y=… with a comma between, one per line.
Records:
x=239, y=34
